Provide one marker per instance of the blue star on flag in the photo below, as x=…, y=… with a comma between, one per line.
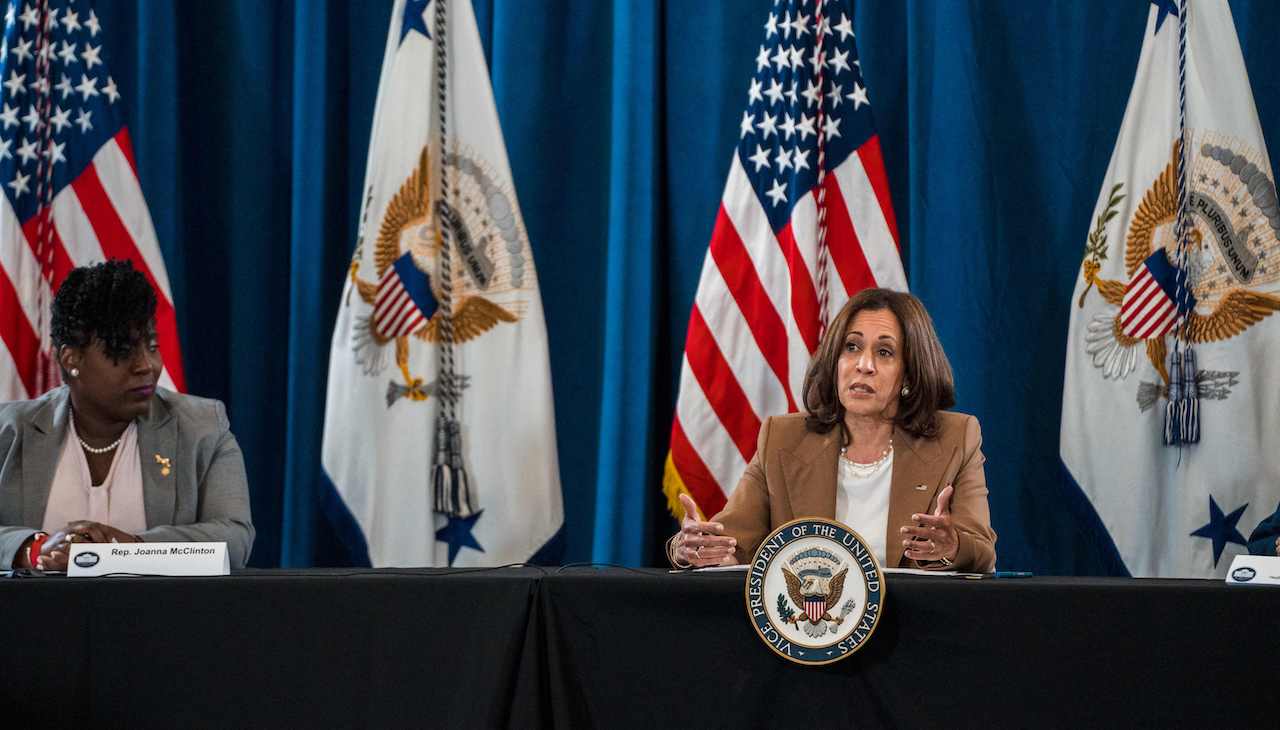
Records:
x=1221, y=529
x=1166, y=8
x=457, y=532
x=414, y=12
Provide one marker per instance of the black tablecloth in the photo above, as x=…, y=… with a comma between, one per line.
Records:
x=366, y=649
x=525, y=647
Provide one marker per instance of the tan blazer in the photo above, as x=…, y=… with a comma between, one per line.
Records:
x=794, y=470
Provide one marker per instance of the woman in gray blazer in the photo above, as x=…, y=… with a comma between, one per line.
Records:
x=163, y=465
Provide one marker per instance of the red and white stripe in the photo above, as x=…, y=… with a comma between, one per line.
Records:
x=755, y=319
x=102, y=214
x=815, y=608
x=1146, y=310
x=394, y=312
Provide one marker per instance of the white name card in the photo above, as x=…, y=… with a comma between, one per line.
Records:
x=148, y=558
x=1254, y=570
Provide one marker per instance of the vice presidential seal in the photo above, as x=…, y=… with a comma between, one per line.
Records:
x=814, y=591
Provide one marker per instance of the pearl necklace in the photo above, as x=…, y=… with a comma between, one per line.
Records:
x=860, y=470
x=105, y=449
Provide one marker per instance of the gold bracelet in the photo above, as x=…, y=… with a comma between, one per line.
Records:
x=671, y=554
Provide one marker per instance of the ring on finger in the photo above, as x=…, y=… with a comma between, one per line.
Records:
x=698, y=551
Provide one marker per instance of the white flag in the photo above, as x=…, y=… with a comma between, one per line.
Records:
x=379, y=434
x=1185, y=511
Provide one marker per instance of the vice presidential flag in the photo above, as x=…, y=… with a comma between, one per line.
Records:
x=804, y=223
x=70, y=183
x=384, y=383
x=1179, y=511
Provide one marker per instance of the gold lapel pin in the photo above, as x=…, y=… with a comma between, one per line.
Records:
x=165, y=464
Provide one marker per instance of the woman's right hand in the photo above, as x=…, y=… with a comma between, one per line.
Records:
x=53, y=560
x=54, y=551
x=57, y=549
x=701, y=544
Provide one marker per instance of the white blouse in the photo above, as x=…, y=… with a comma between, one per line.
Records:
x=862, y=502
x=117, y=501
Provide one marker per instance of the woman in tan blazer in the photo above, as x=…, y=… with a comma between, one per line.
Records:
x=875, y=449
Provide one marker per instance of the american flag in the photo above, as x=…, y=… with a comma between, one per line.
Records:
x=808, y=167
x=70, y=182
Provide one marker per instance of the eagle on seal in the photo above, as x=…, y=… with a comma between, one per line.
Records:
x=409, y=219
x=813, y=589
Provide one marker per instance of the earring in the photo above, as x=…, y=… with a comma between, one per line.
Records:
x=905, y=390
x=75, y=372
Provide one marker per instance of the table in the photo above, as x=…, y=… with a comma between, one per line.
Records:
x=613, y=647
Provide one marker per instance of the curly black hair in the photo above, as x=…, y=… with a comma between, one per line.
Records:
x=110, y=301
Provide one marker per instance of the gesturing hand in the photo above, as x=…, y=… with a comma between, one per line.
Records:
x=700, y=544
x=932, y=537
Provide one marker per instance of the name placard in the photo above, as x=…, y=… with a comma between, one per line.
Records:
x=148, y=558
x=1251, y=570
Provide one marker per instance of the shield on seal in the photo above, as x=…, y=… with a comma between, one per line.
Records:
x=815, y=607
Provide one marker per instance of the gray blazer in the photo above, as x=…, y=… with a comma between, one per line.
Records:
x=205, y=496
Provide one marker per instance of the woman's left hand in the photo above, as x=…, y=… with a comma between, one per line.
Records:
x=932, y=537
x=86, y=531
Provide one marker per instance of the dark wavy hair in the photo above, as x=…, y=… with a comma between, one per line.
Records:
x=926, y=370
x=111, y=302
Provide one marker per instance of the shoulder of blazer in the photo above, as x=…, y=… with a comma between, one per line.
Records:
x=199, y=417
x=953, y=428
x=789, y=434
x=786, y=431
x=15, y=414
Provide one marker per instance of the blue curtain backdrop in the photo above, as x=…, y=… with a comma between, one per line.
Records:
x=251, y=121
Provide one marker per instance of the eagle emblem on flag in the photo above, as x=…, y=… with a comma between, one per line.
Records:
x=1236, y=247
x=404, y=300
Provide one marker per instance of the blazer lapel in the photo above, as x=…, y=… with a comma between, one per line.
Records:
x=809, y=471
x=157, y=447
x=911, y=488
x=41, y=449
